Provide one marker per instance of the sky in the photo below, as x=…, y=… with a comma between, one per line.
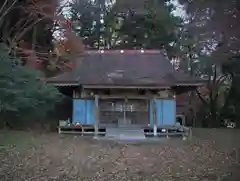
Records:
x=179, y=9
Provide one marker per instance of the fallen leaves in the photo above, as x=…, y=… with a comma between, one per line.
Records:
x=70, y=158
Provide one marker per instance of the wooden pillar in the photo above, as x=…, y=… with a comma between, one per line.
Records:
x=154, y=117
x=73, y=106
x=74, y=94
x=175, y=102
x=59, y=130
x=96, y=114
x=124, y=110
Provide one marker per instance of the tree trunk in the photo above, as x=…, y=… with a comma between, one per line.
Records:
x=214, y=120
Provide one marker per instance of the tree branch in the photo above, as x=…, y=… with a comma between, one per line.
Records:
x=7, y=11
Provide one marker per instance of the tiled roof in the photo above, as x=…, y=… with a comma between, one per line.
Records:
x=125, y=68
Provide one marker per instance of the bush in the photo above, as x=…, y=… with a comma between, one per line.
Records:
x=23, y=91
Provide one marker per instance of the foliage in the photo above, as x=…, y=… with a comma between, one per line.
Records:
x=213, y=97
x=28, y=28
x=152, y=28
x=117, y=26
x=85, y=16
x=210, y=38
x=23, y=25
x=232, y=67
x=23, y=90
x=216, y=22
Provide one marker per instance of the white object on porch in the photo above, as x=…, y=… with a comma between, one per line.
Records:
x=125, y=134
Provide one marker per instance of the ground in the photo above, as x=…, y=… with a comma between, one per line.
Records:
x=209, y=156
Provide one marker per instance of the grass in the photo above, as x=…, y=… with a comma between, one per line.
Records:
x=32, y=156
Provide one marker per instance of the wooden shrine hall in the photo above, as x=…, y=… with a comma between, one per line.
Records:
x=116, y=89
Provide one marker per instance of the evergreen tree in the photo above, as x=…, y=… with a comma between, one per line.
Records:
x=23, y=91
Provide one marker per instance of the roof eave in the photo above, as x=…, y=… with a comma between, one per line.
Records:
x=125, y=87
x=190, y=84
x=96, y=86
x=62, y=84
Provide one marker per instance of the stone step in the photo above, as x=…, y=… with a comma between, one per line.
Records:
x=125, y=133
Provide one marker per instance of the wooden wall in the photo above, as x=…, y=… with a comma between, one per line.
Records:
x=165, y=112
x=84, y=106
x=83, y=112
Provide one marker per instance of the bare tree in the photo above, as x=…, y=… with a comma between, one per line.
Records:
x=48, y=12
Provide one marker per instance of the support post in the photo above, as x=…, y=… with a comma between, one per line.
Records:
x=154, y=118
x=167, y=133
x=190, y=133
x=59, y=130
x=96, y=114
x=74, y=94
x=124, y=111
x=73, y=107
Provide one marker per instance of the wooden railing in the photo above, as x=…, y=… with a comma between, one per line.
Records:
x=162, y=131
